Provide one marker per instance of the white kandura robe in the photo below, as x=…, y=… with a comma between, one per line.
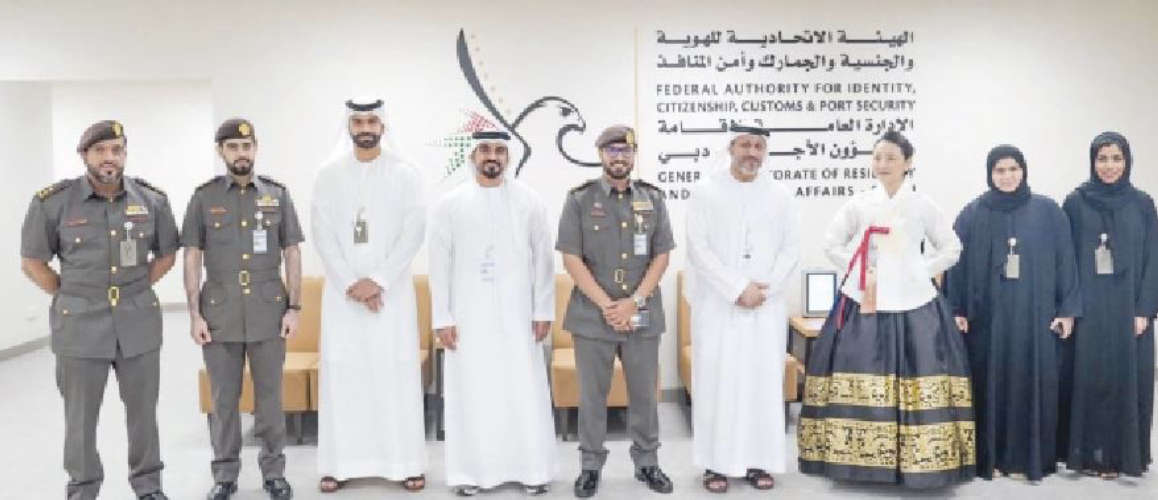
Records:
x=738, y=354
x=370, y=421
x=499, y=426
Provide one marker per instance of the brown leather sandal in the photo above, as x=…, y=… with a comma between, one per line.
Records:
x=416, y=483
x=715, y=482
x=760, y=479
x=329, y=484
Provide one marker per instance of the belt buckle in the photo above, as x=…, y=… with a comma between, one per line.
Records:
x=114, y=295
x=243, y=278
x=619, y=275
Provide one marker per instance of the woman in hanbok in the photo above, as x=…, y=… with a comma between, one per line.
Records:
x=887, y=394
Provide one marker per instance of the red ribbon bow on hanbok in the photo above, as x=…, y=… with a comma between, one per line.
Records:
x=862, y=254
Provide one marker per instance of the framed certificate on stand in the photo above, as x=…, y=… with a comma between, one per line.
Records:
x=819, y=293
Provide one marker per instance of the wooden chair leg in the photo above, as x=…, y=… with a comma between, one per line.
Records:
x=557, y=418
x=575, y=413
x=566, y=412
x=439, y=431
x=301, y=428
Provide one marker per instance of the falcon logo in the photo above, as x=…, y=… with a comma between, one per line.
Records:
x=572, y=120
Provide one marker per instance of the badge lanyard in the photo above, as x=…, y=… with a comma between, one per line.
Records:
x=1012, y=259
x=260, y=235
x=487, y=266
x=128, y=247
x=1103, y=257
x=361, y=225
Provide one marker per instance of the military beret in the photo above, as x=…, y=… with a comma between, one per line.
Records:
x=100, y=131
x=234, y=128
x=616, y=133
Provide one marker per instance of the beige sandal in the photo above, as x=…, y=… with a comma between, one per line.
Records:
x=416, y=483
x=329, y=485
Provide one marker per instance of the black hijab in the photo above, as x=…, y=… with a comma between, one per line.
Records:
x=1107, y=200
x=990, y=222
x=997, y=199
x=1108, y=197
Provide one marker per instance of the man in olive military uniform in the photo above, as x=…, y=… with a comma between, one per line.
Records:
x=241, y=226
x=103, y=227
x=615, y=238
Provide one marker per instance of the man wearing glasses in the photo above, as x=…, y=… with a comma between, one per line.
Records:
x=615, y=238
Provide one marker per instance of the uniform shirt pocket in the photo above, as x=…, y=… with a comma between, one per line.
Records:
x=274, y=293
x=271, y=220
x=219, y=228
x=213, y=305
x=143, y=231
x=77, y=234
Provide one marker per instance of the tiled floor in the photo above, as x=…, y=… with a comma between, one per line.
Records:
x=31, y=430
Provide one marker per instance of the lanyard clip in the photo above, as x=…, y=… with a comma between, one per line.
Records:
x=243, y=278
x=114, y=295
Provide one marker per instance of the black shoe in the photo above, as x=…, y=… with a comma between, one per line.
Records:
x=536, y=489
x=587, y=483
x=278, y=489
x=156, y=495
x=655, y=478
x=466, y=490
x=222, y=491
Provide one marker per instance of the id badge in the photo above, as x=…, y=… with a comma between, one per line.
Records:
x=128, y=252
x=361, y=232
x=1103, y=261
x=641, y=318
x=260, y=241
x=1012, y=266
x=640, y=244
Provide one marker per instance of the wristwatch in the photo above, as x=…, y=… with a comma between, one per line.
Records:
x=294, y=307
x=639, y=301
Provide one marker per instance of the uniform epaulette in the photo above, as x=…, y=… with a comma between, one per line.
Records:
x=271, y=181
x=584, y=185
x=145, y=184
x=646, y=184
x=207, y=183
x=47, y=192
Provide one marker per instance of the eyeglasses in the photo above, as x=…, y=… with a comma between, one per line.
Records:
x=614, y=151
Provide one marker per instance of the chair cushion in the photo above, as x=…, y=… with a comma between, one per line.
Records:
x=565, y=381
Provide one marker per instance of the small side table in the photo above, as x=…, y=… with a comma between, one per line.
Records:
x=802, y=332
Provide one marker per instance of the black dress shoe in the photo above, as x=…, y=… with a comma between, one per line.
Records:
x=156, y=495
x=222, y=491
x=655, y=478
x=587, y=483
x=278, y=489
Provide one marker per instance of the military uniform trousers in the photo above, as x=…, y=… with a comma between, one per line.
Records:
x=225, y=362
x=595, y=359
x=82, y=385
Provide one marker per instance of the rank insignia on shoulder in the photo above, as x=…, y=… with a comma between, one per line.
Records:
x=47, y=192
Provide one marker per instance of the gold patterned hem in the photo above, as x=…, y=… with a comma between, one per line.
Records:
x=917, y=448
x=906, y=393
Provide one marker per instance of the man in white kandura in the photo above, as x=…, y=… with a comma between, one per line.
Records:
x=742, y=251
x=492, y=286
x=368, y=220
